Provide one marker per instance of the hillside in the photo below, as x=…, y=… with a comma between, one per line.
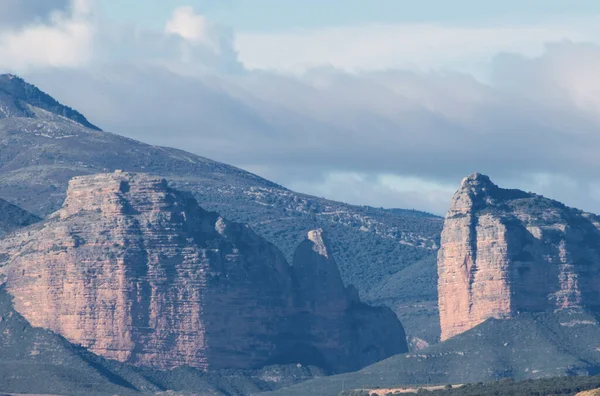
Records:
x=568, y=386
x=12, y=218
x=527, y=346
x=39, y=155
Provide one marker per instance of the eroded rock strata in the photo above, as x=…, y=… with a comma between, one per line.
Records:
x=507, y=251
x=138, y=272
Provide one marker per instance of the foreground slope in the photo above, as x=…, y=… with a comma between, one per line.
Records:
x=527, y=346
x=375, y=248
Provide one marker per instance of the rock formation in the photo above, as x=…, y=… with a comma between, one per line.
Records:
x=137, y=272
x=331, y=320
x=507, y=251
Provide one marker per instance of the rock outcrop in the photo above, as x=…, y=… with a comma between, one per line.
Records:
x=330, y=320
x=137, y=272
x=507, y=251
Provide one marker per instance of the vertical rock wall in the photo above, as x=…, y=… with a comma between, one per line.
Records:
x=506, y=251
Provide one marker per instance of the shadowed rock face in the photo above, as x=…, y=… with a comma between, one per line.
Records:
x=12, y=217
x=137, y=272
x=506, y=251
x=330, y=318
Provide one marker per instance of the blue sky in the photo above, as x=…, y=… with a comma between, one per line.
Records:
x=381, y=102
x=272, y=15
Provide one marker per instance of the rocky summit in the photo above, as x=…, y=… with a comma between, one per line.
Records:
x=505, y=252
x=137, y=272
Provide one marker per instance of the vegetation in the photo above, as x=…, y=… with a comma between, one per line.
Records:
x=507, y=387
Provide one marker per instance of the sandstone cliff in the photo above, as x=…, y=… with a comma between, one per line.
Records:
x=507, y=251
x=137, y=272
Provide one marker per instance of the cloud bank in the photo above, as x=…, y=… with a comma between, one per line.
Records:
x=386, y=116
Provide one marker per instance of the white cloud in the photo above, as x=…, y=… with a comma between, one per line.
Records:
x=189, y=25
x=66, y=40
x=383, y=47
x=383, y=137
x=385, y=190
x=566, y=72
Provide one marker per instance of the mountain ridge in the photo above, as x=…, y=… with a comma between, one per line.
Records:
x=15, y=94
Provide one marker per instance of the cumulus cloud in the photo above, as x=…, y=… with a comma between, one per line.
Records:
x=189, y=25
x=64, y=40
x=565, y=73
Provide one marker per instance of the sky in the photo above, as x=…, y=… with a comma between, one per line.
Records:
x=381, y=102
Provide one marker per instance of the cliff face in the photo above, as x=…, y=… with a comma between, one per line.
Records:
x=506, y=251
x=330, y=322
x=137, y=272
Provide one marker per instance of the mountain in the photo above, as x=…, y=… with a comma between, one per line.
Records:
x=20, y=99
x=330, y=317
x=137, y=272
x=389, y=255
x=504, y=252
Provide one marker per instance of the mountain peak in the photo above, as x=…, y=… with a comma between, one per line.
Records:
x=17, y=97
x=477, y=180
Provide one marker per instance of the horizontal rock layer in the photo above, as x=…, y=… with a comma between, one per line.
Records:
x=138, y=272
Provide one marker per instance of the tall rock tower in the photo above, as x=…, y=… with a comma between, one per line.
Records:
x=507, y=251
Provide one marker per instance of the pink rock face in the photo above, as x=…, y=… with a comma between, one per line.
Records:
x=506, y=251
x=138, y=273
